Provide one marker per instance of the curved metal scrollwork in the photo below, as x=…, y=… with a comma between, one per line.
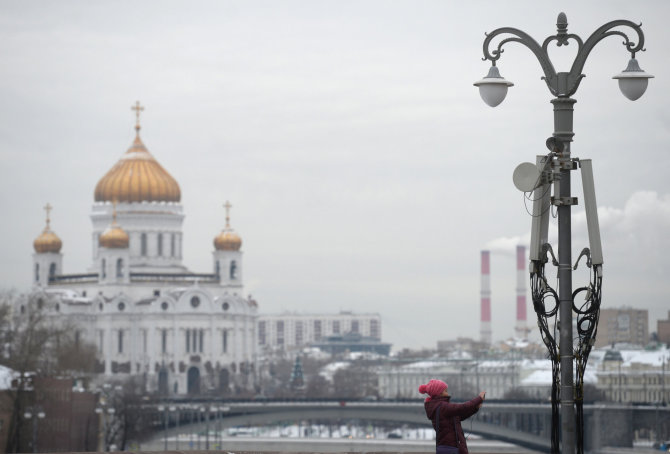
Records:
x=563, y=84
x=546, y=305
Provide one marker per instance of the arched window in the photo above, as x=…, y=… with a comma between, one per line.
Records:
x=143, y=244
x=103, y=272
x=233, y=270
x=163, y=381
x=37, y=272
x=119, y=268
x=217, y=269
x=172, y=249
x=120, y=342
x=52, y=270
x=164, y=340
x=160, y=244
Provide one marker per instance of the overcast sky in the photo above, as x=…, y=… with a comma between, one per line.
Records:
x=365, y=172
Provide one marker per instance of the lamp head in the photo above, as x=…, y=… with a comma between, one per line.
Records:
x=633, y=81
x=493, y=87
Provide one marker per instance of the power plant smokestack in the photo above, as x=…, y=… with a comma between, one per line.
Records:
x=485, y=321
x=521, y=328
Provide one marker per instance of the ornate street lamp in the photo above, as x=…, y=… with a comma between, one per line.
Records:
x=555, y=168
x=35, y=414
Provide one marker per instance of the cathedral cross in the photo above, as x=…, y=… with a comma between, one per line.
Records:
x=137, y=108
x=227, y=206
x=48, y=209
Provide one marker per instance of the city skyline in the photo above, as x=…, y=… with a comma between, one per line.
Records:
x=364, y=171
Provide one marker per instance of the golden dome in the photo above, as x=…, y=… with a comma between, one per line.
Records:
x=227, y=240
x=137, y=177
x=114, y=237
x=47, y=241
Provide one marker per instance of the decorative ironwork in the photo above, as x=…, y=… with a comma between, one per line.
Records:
x=563, y=84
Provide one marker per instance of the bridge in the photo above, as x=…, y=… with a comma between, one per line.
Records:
x=524, y=424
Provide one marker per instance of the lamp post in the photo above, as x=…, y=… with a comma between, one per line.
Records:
x=103, y=411
x=35, y=414
x=217, y=427
x=201, y=413
x=562, y=85
x=106, y=402
x=663, y=398
x=164, y=409
x=176, y=438
x=192, y=426
x=620, y=383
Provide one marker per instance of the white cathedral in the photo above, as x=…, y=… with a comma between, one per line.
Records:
x=149, y=316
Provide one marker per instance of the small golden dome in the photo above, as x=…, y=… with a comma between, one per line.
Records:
x=137, y=177
x=227, y=240
x=114, y=237
x=47, y=241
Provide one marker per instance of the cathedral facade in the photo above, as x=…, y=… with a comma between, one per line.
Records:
x=147, y=314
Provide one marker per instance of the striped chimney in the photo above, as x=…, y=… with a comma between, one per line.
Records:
x=521, y=328
x=485, y=321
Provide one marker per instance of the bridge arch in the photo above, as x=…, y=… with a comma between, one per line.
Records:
x=267, y=413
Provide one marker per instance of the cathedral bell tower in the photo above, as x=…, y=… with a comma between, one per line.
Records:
x=47, y=259
x=227, y=255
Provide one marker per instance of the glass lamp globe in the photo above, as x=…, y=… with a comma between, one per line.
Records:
x=633, y=81
x=493, y=87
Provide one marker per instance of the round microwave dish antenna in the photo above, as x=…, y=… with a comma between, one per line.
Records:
x=526, y=177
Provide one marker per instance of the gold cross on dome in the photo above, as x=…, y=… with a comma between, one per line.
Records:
x=48, y=209
x=137, y=108
x=227, y=206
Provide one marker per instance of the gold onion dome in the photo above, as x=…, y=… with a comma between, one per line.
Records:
x=227, y=240
x=114, y=237
x=47, y=241
x=137, y=176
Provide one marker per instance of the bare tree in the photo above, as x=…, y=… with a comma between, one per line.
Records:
x=356, y=381
x=33, y=346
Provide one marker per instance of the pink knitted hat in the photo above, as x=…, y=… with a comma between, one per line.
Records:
x=433, y=388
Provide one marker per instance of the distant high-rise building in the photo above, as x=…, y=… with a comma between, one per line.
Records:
x=663, y=330
x=288, y=331
x=625, y=325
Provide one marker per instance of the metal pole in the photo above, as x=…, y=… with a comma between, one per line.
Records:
x=176, y=442
x=165, y=426
x=563, y=132
x=35, y=432
x=191, y=441
x=620, y=392
x=104, y=430
x=663, y=399
x=207, y=429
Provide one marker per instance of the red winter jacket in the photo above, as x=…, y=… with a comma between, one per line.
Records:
x=450, y=413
